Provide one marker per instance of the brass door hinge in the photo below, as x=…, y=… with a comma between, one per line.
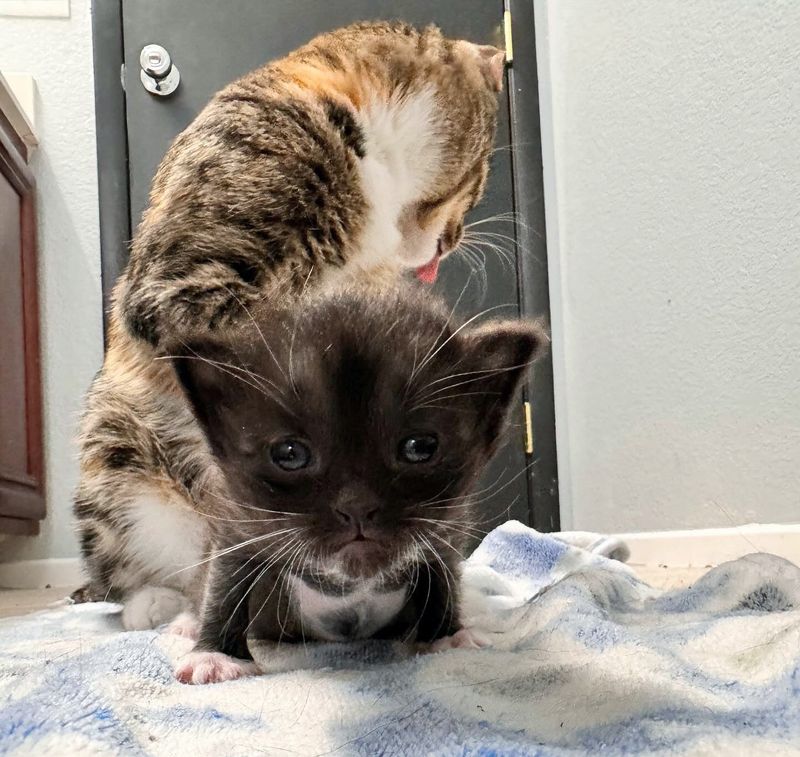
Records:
x=528, y=428
x=507, y=34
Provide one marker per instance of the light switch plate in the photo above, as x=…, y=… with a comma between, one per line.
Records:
x=35, y=8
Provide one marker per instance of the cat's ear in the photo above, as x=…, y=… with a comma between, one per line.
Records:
x=493, y=65
x=502, y=353
x=492, y=62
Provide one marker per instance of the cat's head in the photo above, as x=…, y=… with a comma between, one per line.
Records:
x=351, y=428
x=467, y=85
x=466, y=95
x=427, y=105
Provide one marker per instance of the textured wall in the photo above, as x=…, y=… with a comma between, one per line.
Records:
x=673, y=201
x=58, y=53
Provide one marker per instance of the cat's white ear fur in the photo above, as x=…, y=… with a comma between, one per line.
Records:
x=492, y=62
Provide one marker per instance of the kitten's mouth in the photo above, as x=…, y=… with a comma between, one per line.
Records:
x=361, y=555
x=427, y=273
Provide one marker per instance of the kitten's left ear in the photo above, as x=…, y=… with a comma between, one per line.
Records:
x=503, y=351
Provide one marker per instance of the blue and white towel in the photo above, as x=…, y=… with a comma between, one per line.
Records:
x=586, y=659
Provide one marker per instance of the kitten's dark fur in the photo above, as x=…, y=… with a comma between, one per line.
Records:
x=350, y=376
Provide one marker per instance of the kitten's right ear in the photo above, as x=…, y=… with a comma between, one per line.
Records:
x=502, y=352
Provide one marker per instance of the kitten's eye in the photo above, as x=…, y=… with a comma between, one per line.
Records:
x=290, y=454
x=418, y=449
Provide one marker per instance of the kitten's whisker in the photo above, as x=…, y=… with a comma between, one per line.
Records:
x=490, y=371
x=456, y=396
x=485, y=374
x=272, y=590
x=222, y=367
x=283, y=577
x=287, y=532
x=217, y=556
x=433, y=498
x=450, y=525
x=255, y=581
x=415, y=628
x=239, y=520
x=413, y=585
x=471, y=494
x=447, y=575
x=438, y=336
x=461, y=328
x=507, y=483
x=446, y=543
x=260, y=332
x=236, y=503
x=294, y=336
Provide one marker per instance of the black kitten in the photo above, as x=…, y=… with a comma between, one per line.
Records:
x=349, y=433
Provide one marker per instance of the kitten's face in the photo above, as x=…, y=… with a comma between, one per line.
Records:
x=359, y=429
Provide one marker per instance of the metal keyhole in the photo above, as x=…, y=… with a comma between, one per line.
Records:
x=159, y=75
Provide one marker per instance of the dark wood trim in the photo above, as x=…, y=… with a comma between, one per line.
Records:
x=17, y=144
x=12, y=161
x=532, y=268
x=22, y=497
x=27, y=480
x=33, y=368
x=21, y=500
x=18, y=526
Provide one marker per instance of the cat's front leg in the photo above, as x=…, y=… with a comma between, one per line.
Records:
x=438, y=622
x=464, y=638
x=221, y=652
x=435, y=601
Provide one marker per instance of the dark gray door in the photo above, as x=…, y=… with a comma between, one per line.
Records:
x=213, y=43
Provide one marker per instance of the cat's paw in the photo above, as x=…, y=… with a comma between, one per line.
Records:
x=213, y=667
x=152, y=606
x=186, y=625
x=465, y=638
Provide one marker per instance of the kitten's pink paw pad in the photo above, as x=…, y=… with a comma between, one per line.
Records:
x=466, y=638
x=213, y=667
x=185, y=625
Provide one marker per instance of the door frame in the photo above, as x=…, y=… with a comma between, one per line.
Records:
x=532, y=269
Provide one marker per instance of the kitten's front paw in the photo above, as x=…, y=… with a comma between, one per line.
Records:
x=186, y=625
x=152, y=606
x=213, y=667
x=465, y=638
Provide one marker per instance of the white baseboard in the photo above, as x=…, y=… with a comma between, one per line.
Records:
x=712, y=546
x=37, y=574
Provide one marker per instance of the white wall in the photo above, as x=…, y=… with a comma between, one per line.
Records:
x=58, y=53
x=672, y=146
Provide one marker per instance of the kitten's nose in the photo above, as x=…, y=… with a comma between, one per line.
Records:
x=355, y=513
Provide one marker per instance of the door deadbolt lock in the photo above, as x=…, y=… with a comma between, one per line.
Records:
x=159, y=75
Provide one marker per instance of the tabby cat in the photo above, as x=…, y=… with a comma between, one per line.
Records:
x=355, y=156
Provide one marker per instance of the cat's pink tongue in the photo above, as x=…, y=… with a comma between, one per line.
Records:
x=427, y=273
